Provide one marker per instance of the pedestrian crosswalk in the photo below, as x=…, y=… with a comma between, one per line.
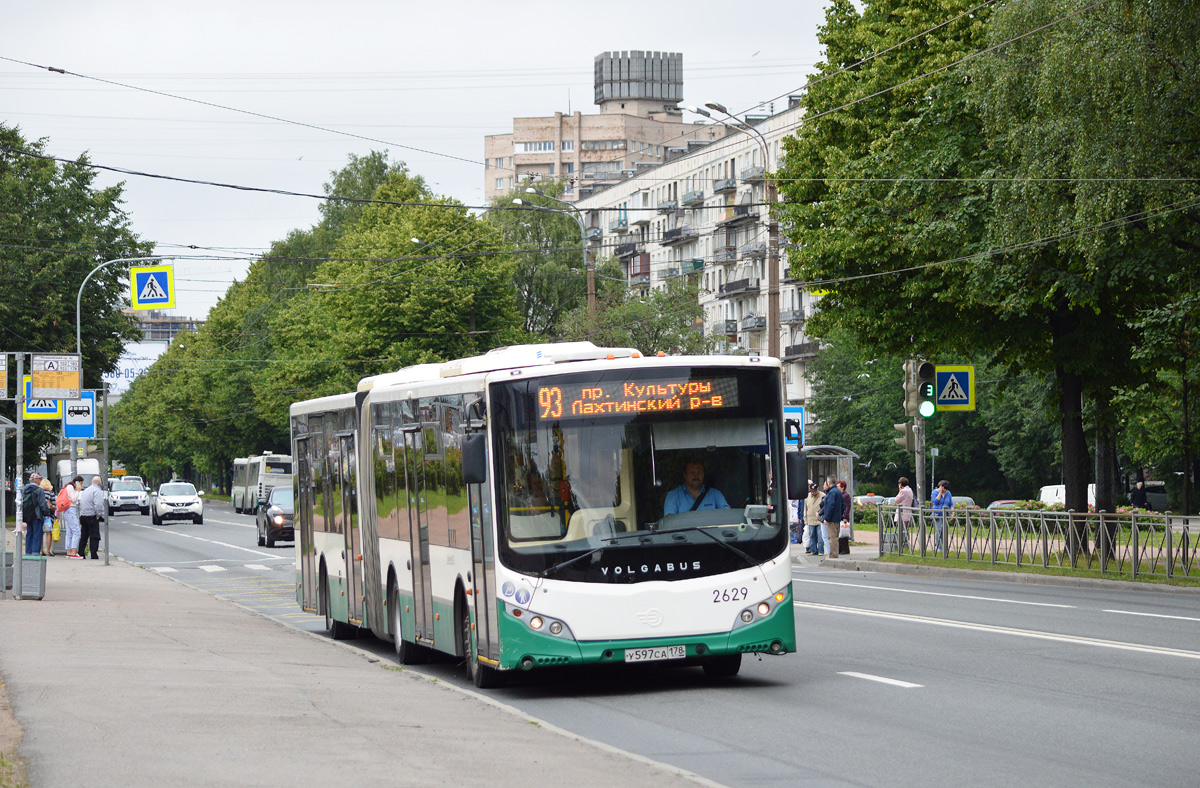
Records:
x=169, y=570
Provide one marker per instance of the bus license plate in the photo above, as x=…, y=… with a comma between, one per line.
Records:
x=655, y=654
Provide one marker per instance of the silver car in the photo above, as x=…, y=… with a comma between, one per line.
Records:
x=177, y=500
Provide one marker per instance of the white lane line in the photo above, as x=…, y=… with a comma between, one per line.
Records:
x=880, y=679
x=210, y=541
x=934, y=593
x=165, y=569
x=259, y=567
x=1152, y=615
x=1012, y=631
x=212, y=568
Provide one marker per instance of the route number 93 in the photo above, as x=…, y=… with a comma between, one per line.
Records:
x=730, y=595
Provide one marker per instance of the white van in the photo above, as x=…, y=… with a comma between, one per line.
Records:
x=1057, y=493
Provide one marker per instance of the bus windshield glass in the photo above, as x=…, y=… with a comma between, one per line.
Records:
x=631, y=475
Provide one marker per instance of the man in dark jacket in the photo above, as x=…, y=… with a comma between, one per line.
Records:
x=34, y=512
x=831, y=513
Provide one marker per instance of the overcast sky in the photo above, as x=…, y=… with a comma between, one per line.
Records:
x=424, y=81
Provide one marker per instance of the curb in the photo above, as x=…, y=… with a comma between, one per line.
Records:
x=1000, y=576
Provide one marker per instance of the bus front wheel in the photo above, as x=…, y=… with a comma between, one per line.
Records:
x=722, y=667
x=481, y=675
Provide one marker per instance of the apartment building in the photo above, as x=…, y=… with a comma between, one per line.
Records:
x=639, y=126
x=705, y=214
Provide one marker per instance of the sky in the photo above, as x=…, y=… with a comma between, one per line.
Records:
x=277, y=95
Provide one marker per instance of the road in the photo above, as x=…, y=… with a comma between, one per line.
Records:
x=900, y=681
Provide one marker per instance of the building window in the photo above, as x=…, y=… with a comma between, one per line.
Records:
x=535, y=147
x=568, y=144
x=604, y=144
x=570, y=167
x=499, y=183
x=551, y=168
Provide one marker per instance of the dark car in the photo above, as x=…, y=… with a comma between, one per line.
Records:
x=276, y=518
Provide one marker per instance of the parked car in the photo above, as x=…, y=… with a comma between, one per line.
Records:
x=871, y=499
x=963, y=501
x=1005, y=503
x=276, y=518
x=177, y=500
x=126, y=496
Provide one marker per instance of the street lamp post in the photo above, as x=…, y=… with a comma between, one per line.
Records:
x=772, y=225
x=578, y=217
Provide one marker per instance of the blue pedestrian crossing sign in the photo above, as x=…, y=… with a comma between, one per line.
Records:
x=955, y=387
x=152, y=287
x=35, y=409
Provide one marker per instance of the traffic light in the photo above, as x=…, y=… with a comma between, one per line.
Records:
x=909, y=440
x=926, y=385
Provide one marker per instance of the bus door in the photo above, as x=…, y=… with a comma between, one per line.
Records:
x=483, y=558
x=350, y=527
x=418, y=520
x=305, y=555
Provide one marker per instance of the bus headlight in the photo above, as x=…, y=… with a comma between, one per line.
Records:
x=763, y=608
x=747, y=616
x=555, y=628
x=536, y=622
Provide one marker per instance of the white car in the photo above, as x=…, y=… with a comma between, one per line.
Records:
x=128, y=496
x=177, y=500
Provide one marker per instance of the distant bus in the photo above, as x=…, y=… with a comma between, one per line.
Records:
x=509, y=509
x=255, y=477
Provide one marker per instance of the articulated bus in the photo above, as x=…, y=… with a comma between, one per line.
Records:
x=509, y=509
x=255, y=477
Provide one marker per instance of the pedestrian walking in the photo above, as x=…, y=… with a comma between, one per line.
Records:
x=812, y=520
x=1137, y=497
x=91, y=512
x=943, y=502
x=33, y=513
x=68, y=515
x=831, y=513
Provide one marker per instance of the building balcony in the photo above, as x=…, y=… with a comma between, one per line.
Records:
x=753, y=173
x=628, y=250
x=738, y=214
x=725, y=254
x=725, y=185
x=594, y=233
x=725, y=328
x=791, y=316
x=738, y=287
x=695, y=264
x=753, y=323
x=669, y=273
x=678, y=235
x=639, y=279
x=668, y=206
x=755, y=251
x=640, y=219
x=693, y=198
x=801, y=352
x=620, y=225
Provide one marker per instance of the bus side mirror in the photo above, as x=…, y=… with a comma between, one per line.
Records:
x=797, y=480
x=474, y=458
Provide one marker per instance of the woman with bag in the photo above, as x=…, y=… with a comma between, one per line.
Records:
x=904, y=502
x=48, y=521
x=67, y=505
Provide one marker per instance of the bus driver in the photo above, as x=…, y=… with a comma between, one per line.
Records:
x=693, y=495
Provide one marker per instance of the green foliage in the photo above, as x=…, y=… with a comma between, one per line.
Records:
x=59, y=227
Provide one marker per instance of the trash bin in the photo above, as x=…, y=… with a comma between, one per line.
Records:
x=8, y=569
x=33, y=577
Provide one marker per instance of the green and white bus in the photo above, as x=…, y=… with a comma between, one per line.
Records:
x=255, y=477
x=509, y=509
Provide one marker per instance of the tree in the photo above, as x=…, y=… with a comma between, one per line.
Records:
x=58, y=227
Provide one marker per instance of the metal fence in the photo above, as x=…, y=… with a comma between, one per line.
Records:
x=1135, y=545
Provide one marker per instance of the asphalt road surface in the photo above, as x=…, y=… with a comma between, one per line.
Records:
x=900, y=681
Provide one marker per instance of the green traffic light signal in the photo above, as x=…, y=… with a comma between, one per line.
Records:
x=926, y=374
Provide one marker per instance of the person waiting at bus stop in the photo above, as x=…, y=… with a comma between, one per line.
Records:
x=831, y=513
x=694, y=495
x=943, y=502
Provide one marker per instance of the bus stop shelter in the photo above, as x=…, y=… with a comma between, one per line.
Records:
x=825, y=461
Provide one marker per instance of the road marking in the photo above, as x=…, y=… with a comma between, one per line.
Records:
x=880, y=679
x=165, y=569
x=260, y=567
x=934, y=593
x=210, y=541
x=212, y=568
x=1012, y=631
x=1152, y=615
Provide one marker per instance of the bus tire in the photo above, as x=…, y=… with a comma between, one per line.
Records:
x=338, y=630
x=406, y=653
x=481, y=675
x=722, y=667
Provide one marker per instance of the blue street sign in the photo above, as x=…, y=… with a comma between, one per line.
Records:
x=795, y=413
x=79, y=416
x=956, y=387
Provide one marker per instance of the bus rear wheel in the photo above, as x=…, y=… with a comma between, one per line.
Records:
x=481, y=675
x=338, y=630
x=722, y=667
x=407, y=653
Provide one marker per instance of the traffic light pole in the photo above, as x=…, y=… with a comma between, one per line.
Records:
x=919, y=434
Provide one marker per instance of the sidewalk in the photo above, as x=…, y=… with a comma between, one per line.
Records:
x=123, y=678
x=868, y=549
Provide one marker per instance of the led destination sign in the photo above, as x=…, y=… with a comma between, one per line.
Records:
x=632, y=397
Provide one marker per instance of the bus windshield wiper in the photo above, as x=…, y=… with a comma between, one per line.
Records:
x=610, y=540
x=705, y=529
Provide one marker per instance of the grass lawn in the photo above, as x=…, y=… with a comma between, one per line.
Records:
x=1011, y=568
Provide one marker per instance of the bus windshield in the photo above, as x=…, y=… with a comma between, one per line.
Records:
x=632, y=475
